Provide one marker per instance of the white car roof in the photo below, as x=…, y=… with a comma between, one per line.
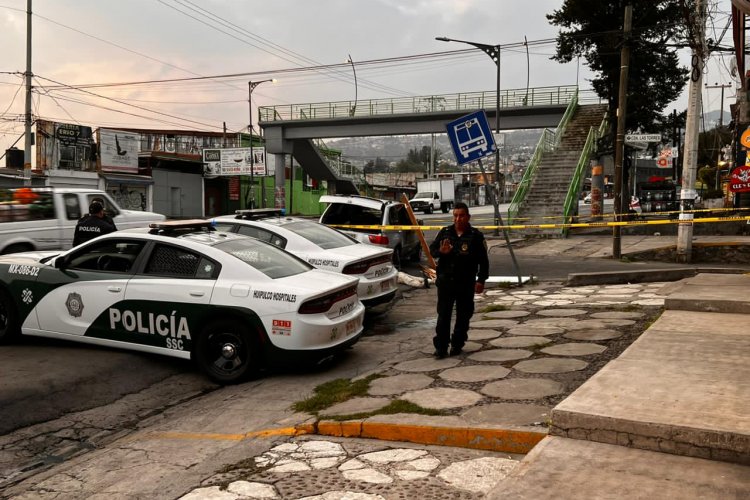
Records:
x=354, y=200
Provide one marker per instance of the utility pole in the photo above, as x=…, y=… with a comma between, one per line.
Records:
x=690, y=158
x=622, y=101
x=27, y=115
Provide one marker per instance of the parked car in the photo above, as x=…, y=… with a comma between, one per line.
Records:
x=45, y=218
x=228, y=302
x=323, y=247
x=349, y=210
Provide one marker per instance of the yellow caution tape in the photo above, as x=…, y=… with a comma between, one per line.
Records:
x=638, y=222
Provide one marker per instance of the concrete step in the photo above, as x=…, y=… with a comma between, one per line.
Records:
x=681, y=388
x=729, y=297
x=559, y=468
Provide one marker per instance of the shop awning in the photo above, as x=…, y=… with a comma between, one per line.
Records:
x=128, y=179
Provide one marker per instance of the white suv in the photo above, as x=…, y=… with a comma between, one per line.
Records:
x=363, y=211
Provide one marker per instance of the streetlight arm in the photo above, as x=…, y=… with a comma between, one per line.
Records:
x=491, y=50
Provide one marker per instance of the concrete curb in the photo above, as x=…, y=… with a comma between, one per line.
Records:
x=501, y=440
x=644, y=276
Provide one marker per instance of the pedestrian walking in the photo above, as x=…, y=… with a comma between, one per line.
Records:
x=92, y=225
x=462, y=269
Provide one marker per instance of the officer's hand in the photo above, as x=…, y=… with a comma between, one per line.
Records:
x=478, y=288
x=446, y=246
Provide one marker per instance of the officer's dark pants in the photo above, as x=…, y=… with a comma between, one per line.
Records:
x=462, y=295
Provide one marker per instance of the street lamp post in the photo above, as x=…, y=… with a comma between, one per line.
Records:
x=354, y=70
x=494, y=52
x=250, y=87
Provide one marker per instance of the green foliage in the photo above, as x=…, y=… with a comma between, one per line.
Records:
x=592, y=29
x=332, y=392
x=396, y=406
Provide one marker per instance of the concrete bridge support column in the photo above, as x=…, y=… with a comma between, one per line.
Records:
x=279, y=192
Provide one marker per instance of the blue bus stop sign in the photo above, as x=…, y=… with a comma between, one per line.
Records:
x=471, y=137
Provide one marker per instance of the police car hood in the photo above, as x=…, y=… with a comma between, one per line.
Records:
x=138, y=216
x=29, y=257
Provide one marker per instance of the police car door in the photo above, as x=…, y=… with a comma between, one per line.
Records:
x=84, y=284
x=168, y=297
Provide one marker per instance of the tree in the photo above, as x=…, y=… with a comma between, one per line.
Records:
x=592, y=29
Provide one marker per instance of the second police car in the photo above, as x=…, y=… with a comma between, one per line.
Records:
x=228, y=302
x=325, y=248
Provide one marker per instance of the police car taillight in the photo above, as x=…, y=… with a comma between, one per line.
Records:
x=363, y=266
x=323, y=304
x=378, y=239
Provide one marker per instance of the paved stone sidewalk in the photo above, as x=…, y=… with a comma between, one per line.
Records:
x=359, y=469
x=522, y=359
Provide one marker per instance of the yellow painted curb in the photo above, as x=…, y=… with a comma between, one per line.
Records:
x=503, y=440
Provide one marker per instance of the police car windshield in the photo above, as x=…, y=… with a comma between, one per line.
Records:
x=323, y=236
x=266, y=258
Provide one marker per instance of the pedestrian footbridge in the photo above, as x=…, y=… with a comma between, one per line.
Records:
x=292, y=128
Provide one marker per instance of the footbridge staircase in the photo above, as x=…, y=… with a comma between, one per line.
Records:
x=549, y=191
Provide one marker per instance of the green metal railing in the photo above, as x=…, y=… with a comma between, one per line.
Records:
x=571, y=199
x=569, y=112
x=466, y=101
x=546, y=143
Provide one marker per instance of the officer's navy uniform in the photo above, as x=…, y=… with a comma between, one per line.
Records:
x=457, y=273
x=89, y=227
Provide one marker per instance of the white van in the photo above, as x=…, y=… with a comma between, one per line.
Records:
x=45, y=218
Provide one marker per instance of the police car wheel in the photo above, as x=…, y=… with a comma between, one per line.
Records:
x=225, y=352
x=8, y=318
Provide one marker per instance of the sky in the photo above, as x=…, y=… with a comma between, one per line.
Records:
x=77, y=42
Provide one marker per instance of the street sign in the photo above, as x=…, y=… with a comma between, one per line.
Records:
x=471, y=137
x=642, y=138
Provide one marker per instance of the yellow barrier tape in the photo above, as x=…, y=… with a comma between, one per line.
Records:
x=555, y=226
x=628, y=214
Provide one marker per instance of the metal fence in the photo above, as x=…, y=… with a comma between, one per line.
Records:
x=465, y=101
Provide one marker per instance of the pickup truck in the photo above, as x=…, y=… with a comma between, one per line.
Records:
x=45, y=218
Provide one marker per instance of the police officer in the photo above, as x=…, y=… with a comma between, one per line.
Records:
x=106, y=217
x=462, y=269
x=92, y=225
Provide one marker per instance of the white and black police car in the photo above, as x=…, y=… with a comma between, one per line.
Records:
x=325, y=248
x=229, y=302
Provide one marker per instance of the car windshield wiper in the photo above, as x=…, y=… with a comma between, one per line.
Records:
x=47, y=258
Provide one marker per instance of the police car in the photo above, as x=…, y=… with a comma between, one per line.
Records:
x=228, y=302
x=325, y=248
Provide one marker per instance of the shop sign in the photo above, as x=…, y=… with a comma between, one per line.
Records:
x=118, y=151
x=234, y=188
x=234, y=161
x=739, y=180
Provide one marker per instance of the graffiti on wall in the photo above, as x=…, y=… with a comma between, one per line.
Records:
x=128, y=196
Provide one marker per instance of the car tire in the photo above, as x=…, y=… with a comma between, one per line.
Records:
x=428, y=210
x=226, y=352
x=417, y=255
x=18, y=247
x=396, y=258
x=9, y=327
x=445, y=208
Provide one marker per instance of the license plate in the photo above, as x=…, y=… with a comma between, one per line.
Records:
x=351, y=326
x=385, y=285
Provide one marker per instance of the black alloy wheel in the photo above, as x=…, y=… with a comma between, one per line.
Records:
x=9, y=329
x=225, y=351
